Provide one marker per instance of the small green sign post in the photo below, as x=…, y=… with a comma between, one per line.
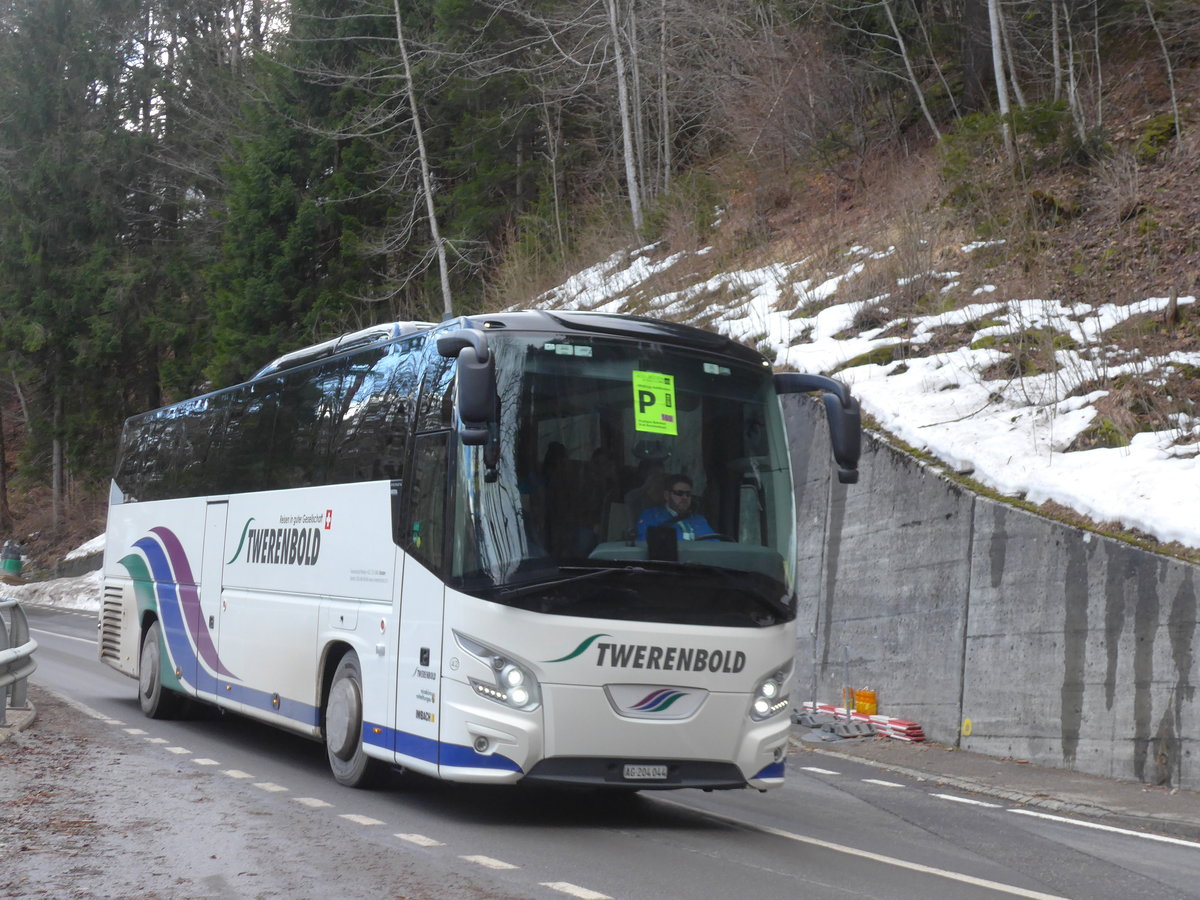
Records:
x=654, y=403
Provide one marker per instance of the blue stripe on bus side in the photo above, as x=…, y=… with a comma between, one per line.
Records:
x=256, y=699
x=435, y=752
x=169, y=611
x=774, y=770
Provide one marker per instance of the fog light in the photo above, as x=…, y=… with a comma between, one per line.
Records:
x=481, y=745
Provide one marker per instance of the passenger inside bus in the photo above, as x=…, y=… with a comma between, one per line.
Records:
x=648, y=493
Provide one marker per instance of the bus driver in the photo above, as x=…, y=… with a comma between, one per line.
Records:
x=676, y=512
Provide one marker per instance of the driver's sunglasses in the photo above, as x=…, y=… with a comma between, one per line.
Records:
x=682, y=493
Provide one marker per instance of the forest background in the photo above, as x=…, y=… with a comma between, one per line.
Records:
x=189, y=188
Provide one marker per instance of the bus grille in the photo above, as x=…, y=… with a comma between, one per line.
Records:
x=110, y=623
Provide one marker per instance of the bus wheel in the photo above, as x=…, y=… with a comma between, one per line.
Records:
x=343, y=727
x=156, y=701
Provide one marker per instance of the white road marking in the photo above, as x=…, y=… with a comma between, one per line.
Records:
x=420, y=840
x=968, y=801
x=237, y=773
x=817, y=771
x=1111, y=828
x=205, y=762
x=360, y=820
x=575, y=890
x=864, y=854
x=86, y=710
x=179, y=751
x=68, y=637
x=312, y=802
x=154, y=740
x=136, y=731
x=882, y=783
x=269, y=787
x=488, y=862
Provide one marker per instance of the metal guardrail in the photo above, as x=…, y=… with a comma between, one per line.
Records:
x=16, y=659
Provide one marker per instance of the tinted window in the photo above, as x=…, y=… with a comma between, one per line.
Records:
x=425, y=531
x=341, y=421
x=436, y=410
x=371, y=440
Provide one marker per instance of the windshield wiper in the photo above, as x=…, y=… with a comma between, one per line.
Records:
x=587, y=573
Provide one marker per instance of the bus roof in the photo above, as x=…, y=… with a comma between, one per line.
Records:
x=522, y=320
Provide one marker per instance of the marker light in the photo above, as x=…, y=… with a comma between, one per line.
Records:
x=769, y=697
x=513, y=684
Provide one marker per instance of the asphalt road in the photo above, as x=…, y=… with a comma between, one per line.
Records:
x=104, y=803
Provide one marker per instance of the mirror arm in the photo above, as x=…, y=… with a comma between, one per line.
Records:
x=452, y=344
x=845, y=422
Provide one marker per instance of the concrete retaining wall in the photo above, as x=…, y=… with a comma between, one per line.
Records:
x=996, y=630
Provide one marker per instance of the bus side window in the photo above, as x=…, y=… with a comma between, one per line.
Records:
x=436, y=408
x=248, y=436
x=199, y=418
x=423, y=530
x=374, y=420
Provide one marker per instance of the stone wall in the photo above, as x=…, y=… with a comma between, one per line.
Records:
x=996, y=630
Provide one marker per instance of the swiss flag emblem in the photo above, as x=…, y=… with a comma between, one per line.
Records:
x=328, y=519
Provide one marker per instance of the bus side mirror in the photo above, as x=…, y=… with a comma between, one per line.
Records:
x=476, y=383
x=845, y=423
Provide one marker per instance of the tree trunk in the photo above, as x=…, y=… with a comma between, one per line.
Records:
x=1057, y=51
x=1012, y=66
x=974, y=53
x=1001, y=81
x=626, y=114
x=1170, y=70
x=56, y=469
x=912, y=78
x=426, y=176
x=5, y=513
x=1072, y=85
x=664, y=111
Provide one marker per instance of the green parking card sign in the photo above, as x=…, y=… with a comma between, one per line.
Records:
x=654, y=403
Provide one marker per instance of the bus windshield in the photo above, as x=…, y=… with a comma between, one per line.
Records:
x=628, y=480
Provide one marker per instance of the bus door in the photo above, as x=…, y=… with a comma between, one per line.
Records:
x=422, y=594
x=208, y=611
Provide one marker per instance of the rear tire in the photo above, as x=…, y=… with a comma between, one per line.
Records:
x=157, y=702
x=343, y=725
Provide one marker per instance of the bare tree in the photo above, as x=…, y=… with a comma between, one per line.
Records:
x=1162, y=43
x=1000, y=79
x=902, y=48
x=423, y=159
x=618, y=31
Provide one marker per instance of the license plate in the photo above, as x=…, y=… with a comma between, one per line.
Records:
x=645, y=773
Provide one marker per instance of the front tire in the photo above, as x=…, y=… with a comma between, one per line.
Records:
x=157, y=702
x=343, y=724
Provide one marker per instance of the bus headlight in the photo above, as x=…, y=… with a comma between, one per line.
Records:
x=513, y=684
x=770, y=696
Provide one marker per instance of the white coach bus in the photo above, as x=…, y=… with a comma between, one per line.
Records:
x=417, y=544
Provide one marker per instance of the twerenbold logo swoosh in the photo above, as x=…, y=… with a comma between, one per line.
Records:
x=587, y=642
x=241, y=540
x=658, y=701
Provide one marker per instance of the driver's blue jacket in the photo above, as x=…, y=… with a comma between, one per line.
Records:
x=688, y=528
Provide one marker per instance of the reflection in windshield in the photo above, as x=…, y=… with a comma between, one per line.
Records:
x=629, y=455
